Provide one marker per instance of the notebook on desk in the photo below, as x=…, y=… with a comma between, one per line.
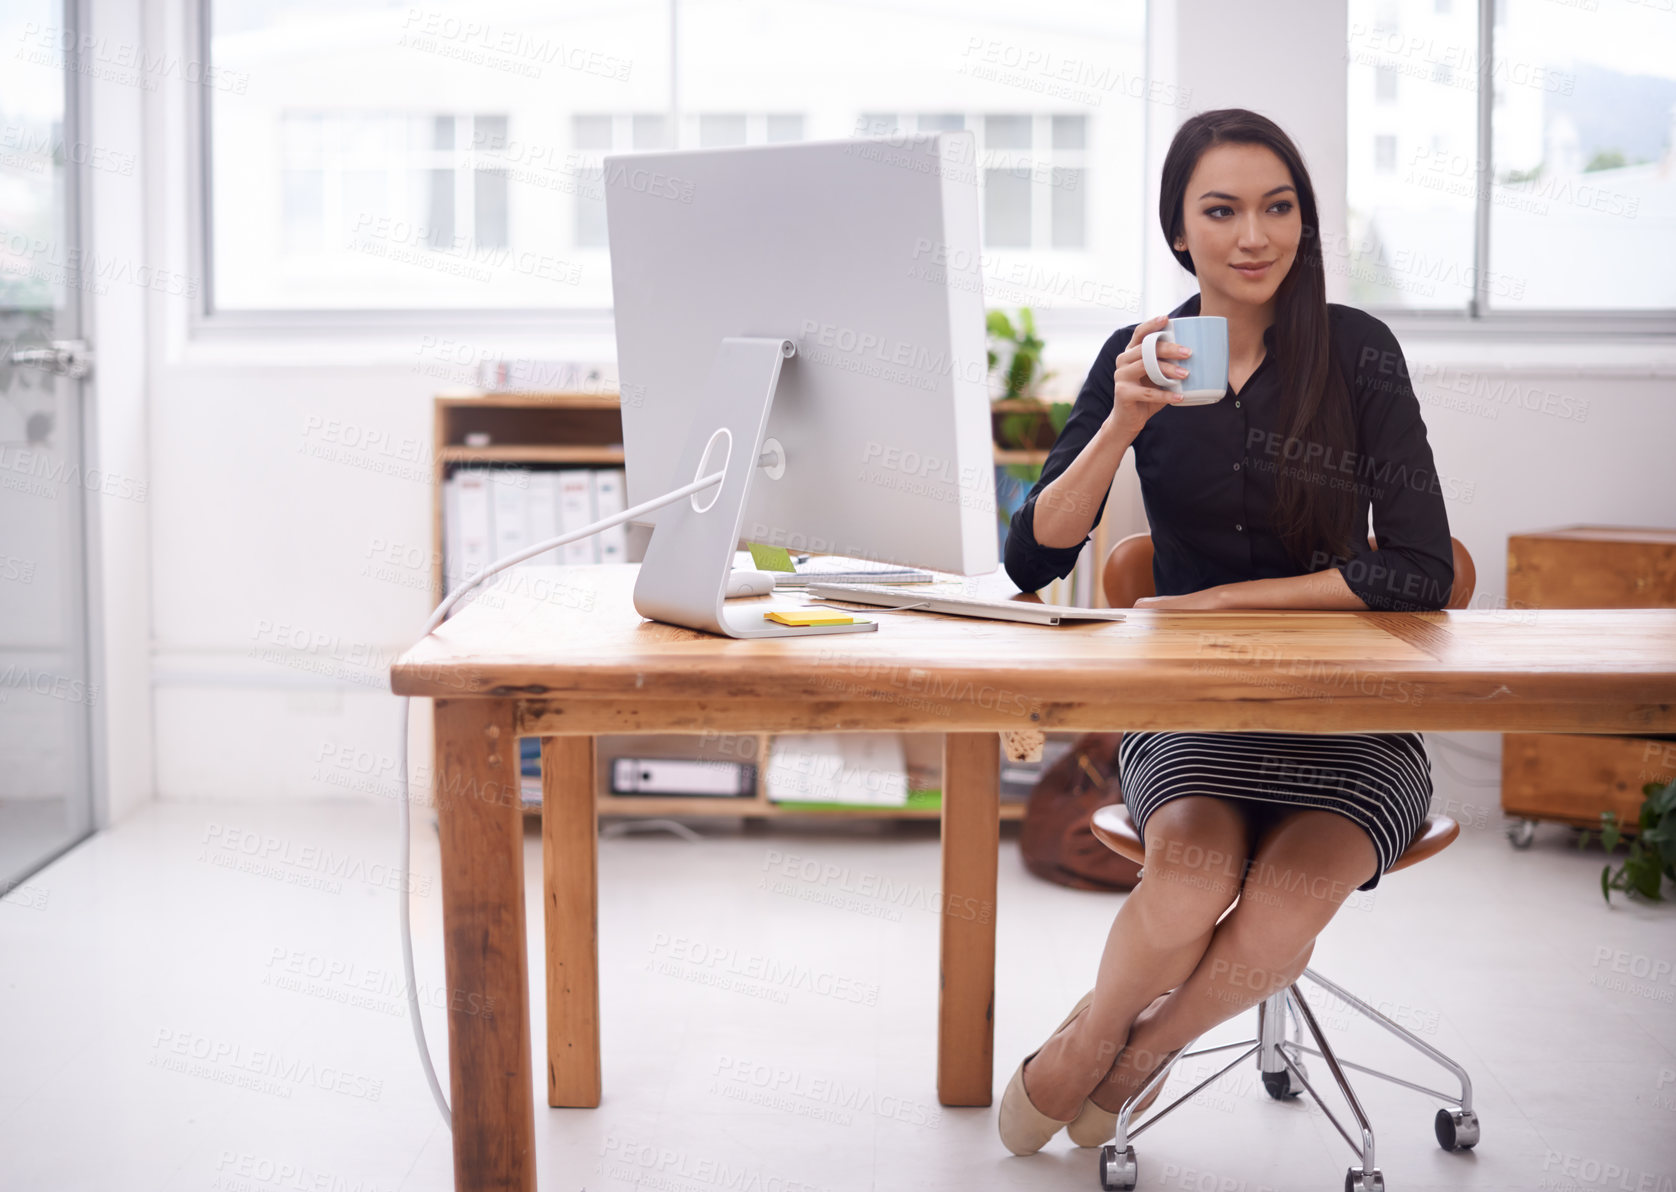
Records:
x=952, y=598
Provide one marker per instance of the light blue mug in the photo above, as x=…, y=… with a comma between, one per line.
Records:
x=1207, y=368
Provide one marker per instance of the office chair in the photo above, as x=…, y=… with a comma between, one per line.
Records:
x=1128, y=577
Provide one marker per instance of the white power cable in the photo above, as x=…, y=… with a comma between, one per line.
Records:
x=437, y=617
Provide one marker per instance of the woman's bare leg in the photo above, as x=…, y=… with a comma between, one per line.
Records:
x=1304, y=867
x=1196, y=849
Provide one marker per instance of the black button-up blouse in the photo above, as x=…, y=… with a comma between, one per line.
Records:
x=1208, y=476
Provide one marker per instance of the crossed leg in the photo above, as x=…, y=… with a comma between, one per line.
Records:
x=1306, y=864
x=1196, y=849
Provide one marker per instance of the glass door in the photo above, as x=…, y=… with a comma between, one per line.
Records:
x=46, y=696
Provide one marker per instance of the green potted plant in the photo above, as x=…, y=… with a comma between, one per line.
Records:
x=1652, y=846
x=1024, y=421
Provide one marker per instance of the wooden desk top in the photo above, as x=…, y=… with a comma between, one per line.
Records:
x=567, y=644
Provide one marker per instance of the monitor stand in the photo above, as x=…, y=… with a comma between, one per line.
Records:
x=683, y=577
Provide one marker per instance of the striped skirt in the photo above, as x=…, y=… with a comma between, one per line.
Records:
x=1383, y=781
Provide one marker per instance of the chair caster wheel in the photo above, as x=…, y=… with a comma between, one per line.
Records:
x=1359, y=1179
x=1457, y=1129
x=1117, y=1169
x=1520, y=833
x=1282, y=1085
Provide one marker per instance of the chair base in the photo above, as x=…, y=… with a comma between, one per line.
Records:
x=1280, y=1060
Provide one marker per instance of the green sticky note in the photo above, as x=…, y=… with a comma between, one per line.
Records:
x=770, y=558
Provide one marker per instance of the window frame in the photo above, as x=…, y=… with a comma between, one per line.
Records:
x=1476, y=319
x=1479, y=317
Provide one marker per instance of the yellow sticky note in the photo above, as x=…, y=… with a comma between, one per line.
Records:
x=770, y=558
x=811, y=616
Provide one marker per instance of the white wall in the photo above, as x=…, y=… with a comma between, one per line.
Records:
x=266, y=522
x=119, y=546
x=1283, y=60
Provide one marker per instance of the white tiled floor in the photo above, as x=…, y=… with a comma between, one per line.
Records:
x=169, y=1020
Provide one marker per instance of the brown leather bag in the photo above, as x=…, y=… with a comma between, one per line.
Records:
x=1056, y=841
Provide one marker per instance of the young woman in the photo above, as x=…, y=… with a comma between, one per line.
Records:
x=1259, y=501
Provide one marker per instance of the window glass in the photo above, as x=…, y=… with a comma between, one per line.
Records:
x=380, y=155
x=1409, y=237
x=1584, y=203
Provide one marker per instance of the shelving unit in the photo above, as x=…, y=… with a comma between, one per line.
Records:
x=1006, y=456
x=532, y=455
x=745, y=747
x=523, y=428
x=1042, y=436
x=585, y=429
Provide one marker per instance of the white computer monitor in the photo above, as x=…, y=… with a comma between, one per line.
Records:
x=822, y=300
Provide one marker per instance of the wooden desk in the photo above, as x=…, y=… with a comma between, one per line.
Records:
x=565, y=657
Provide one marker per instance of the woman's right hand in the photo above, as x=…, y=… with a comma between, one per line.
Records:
x=1134, y=397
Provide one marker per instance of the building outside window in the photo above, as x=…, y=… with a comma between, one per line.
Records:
x=406, y=158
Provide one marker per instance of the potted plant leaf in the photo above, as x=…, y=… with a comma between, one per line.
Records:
x=1024, y=420
x=1651, y=858
x=1024, y=425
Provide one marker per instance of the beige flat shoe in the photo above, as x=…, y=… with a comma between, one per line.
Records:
x=1024, y=1128
x=1094, y=1126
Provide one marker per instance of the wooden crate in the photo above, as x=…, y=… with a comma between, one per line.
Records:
x=1592, y=567
x=1572, y=779
x=1567, y=778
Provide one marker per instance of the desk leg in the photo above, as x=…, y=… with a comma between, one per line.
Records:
x=482, y=836
x=569, y=866
x=971, y=844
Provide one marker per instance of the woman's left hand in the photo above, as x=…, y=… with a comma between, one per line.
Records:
x=1205, y=600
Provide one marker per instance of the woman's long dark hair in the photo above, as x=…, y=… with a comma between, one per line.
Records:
x=1311, y=514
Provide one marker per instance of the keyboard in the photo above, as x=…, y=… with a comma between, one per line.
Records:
x=950, y=599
